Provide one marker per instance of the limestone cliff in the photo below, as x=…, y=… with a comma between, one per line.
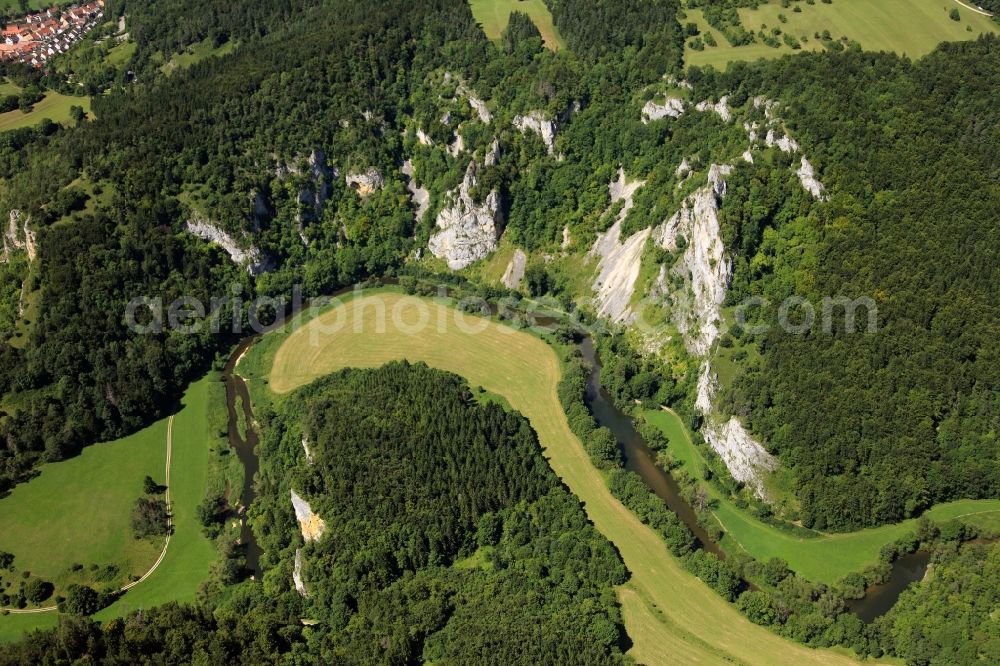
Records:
x=514, y=273
x=618, y=261
x=468, y=230
x=251, y=257
x=673, y=107
x=18, y=237
x=312, y=525
x=703, y=265
x=537, y=122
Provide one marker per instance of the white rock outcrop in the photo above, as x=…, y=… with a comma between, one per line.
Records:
x=619, y=261
x=478, y=105
x=300, y=585
x=423, y=139
x=566, y=240
x=673, y=107
x=721, y=107
x=707, y=386
x=703, y=264
x=785, y=143
x=514, y=273
x=419, y=195
x=746, y=459
x=305, y=447
x=365, y=182
x=457, y=145
x=467, y=230
x=18, y=236
x=537, y=122
x=312, y=525
x=808, y=179
x=250, y=258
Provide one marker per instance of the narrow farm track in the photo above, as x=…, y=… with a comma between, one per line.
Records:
x=166, y=543
x=973, y=9
x=671, y=616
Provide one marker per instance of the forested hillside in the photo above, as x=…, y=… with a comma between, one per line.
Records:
x=289, y=152
x=909, y=414
x=426, y=493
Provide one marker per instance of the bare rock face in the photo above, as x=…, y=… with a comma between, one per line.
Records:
x=457, y=145
x=312, y=525
x=784, y=143
x=808, y=179
x=479, y=106
x=18, y=236
x=420, y=196
x=673, y=107
x=682, y=170
x=619, y=261
x=537, y=122
x=250, y=257
x=365, y=183
x=566, y=240
x=423, y=139
x=703, y=265
x=721, y=107
x=746, y=459
x=707, y=386
x=300, y=585
x=468, y=231
x=514, y=273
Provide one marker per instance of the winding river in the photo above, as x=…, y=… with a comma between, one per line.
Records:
x=238, y=397
x=638, y=458
x=878, y=599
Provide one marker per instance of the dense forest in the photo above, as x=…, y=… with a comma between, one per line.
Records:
x=904, y=147
x=426, y=492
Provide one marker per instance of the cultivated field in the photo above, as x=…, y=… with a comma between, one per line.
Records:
x=494, y=14
x=671, y=616
x=911, y=27
x=55, y=107
x=824, y=559
x=78, y=511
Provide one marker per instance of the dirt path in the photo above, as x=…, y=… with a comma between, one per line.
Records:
x=973, y=9
x=163, y=553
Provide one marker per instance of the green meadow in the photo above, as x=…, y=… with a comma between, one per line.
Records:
x=78, y=511
x=55, y=106
x=825, y=558
x=910, y=27
x=494, y=15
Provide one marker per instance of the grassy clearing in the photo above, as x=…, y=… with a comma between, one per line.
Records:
x=910, y=27
x=823, y=559
x=119, y=55
x=190, y=556
x=196, y=53
x=671, y=616
x=55, y=107
x=493, y=15
x=79, y=510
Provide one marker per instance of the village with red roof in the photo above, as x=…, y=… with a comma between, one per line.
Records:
x=36, y=38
